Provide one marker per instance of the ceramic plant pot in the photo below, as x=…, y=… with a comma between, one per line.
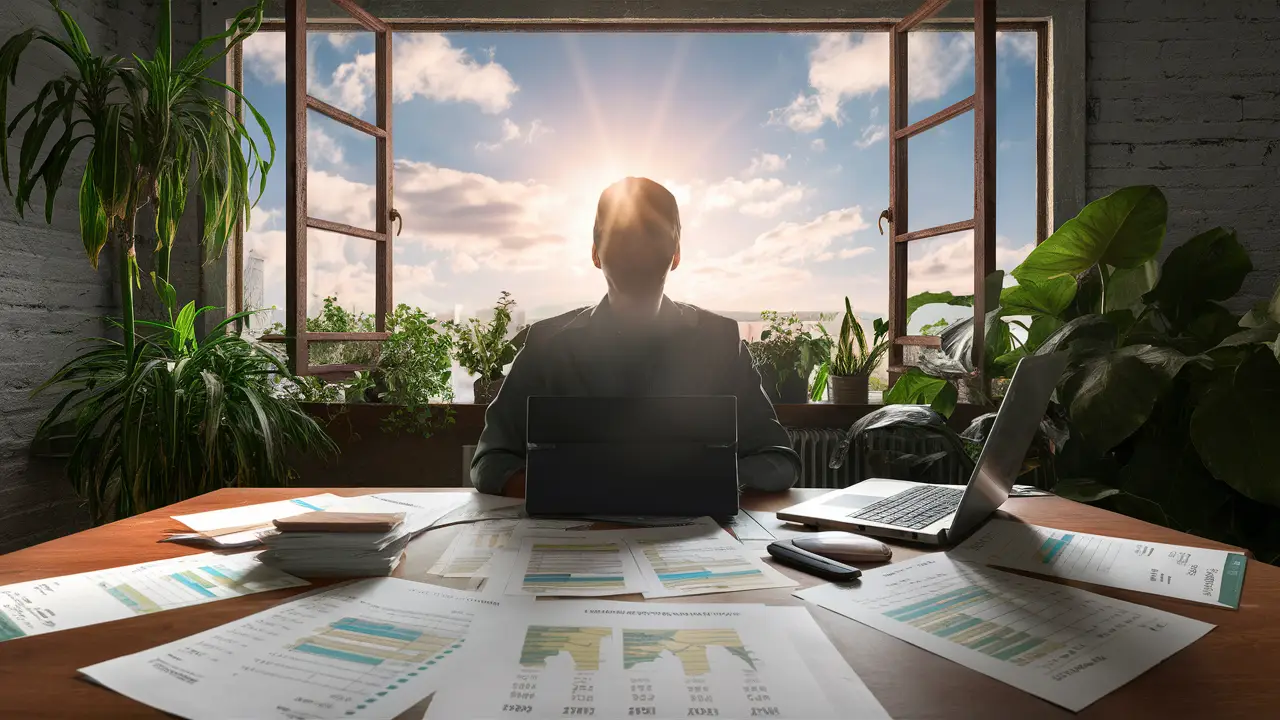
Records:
x=848, y=389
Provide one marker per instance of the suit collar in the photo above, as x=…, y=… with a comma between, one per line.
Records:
x=670, y=313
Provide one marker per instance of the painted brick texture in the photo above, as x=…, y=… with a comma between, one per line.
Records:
x=1185, y=94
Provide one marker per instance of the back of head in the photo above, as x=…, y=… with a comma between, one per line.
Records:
x=637, y=233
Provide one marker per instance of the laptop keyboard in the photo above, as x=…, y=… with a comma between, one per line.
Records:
x=916, y=508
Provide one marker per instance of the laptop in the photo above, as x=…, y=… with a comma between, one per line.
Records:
x=654, y=456
x=946, y=514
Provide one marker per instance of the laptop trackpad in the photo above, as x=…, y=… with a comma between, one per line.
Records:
x=852, y=501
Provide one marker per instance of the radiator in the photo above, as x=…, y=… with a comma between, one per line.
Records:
x=815, y=447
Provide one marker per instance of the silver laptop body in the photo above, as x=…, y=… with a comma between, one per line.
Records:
x=946, y=514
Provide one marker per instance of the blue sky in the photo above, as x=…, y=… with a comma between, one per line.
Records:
x=773, y=144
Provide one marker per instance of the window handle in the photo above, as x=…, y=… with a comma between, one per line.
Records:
x=396, y=218
x=886, y=214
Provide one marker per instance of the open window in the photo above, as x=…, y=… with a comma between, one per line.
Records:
x=983, y=222
x=302, y=223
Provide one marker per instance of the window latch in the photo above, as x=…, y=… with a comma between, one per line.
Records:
x=396, y=218
x=884, y=215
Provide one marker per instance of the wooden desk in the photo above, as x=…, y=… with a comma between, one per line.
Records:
x=1229, y=673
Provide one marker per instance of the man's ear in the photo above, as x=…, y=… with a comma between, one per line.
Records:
x=675, y=260
x=595, y=255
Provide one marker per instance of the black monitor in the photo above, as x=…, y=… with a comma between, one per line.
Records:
x=669, y=456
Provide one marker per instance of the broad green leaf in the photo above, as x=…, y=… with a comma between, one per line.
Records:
x=1167, y=361
x=1086, y=334
x=1209, y=266
x=915, y=302
x=1110, y=397
x=1123, y=229
x=1051, y=297
x=1262, y=334
x=1235, y=424
x=1263, y=312
x=1126, y=286
x=1041, y=329
x=916, y=388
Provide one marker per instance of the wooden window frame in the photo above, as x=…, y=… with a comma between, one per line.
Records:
x=982, y=103
x=298, y=220
x=899, y=133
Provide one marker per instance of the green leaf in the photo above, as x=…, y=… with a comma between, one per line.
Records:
x=916, y=388
x=915, y=302
x=1051, y=297
x=10, y=53
x=1209, y=266
x=1267, y=310
x=1126, y=286
x=1087, y=334
x=1124, y=230
x=1235, y=422
x=1110, y=397
x=93, y=221
x=168, y=295
x=1085, y=490
x=1041, y=329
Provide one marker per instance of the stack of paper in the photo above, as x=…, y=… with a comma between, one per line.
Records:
x=241, y=526
x=327, y=554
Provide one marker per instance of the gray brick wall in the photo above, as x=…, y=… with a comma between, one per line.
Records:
x=1185, y=94
x=49, y=295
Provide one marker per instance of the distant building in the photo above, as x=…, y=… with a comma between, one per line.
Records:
x=254, y=290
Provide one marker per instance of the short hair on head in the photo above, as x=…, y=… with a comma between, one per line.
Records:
x=637, y=203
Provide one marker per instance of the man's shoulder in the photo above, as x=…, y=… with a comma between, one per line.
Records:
x=706, y=318
x=543, y=329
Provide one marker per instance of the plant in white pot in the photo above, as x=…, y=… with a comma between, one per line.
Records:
x=852, y=361
x=483, y=349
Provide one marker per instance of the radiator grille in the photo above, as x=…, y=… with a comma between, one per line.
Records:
x=815, y=447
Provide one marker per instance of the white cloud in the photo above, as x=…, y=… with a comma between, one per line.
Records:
x=794, y=243
x=871, y=135
x=766, y=163
x=322, y=148
x=264, y=57
x=941, y=264
x=511, y=132
x=875, y=112
x=1018, y=45
x=848, y=253
x=844, y=66
x=759, y=197
x=426, y=65
x=818, y=145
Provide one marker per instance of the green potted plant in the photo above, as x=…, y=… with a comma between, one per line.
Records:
x=159, y=415
x=1170, y=395
x=847, y=371
x=786, y=355
x=483, y=349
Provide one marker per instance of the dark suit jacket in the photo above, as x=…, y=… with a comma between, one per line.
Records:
x=582, y=353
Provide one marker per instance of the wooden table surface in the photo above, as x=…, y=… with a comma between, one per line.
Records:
x=1231, y=672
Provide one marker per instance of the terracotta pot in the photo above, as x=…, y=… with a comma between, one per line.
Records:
x=793, y=390
x=848, y=389
x=486, y=390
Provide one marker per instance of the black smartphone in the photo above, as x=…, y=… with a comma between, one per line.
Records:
x=827, y=569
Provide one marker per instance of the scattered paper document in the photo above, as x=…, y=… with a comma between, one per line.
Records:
x=421, y=509
x=41, y=606
x=618, y=660
x=587, y=566
x=1213, y=577
x=472, y=549
x=241, y=526
x=369, y=649
x=842, y=685
x=1063, y=644
x=701, y=565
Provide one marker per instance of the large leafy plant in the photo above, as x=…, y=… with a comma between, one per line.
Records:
x=483, y=348
x=410, y=370
x=789, y=349
x=152, y=128
x=1170, y=396
x=195, y=416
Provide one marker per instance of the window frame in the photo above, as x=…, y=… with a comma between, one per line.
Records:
x=1058, y=24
